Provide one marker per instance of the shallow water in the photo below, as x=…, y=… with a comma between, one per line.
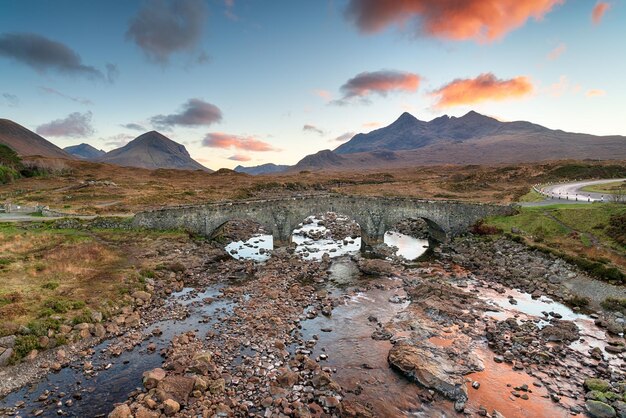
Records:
x=408, y=247
x=251, y=249
x=99, y=392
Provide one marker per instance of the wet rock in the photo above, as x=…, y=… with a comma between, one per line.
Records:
x=375, y=267
x=428, y=369
x=599, y=409
x=599, y=385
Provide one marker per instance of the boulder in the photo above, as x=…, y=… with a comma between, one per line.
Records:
x=286, y=378
x=5, y=356
x=429, y=370
x=177, y=388
x=600, y=385
x=597, y=409
x=8, y=341
x=375, y=267
x=142, y=296
x=143, y=412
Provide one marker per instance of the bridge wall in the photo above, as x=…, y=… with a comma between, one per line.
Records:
x=375, y=215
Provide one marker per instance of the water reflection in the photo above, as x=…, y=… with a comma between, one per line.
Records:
x=257, y=248
x=408, y=247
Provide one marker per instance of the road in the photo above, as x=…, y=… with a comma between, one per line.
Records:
x=571, y=193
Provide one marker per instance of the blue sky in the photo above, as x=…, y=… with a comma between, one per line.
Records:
x=274, y=67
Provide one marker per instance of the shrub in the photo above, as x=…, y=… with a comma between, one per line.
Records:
x=578, y=301
x=24, y=344
x=40, y=327
x=480, y=228
x=617, y=228
x=50, y=285
x=614, y=304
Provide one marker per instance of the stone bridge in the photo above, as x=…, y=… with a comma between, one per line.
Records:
x=375, y=215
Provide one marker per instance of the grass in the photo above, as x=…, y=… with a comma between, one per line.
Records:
x=48, y=273
x=607, y=188
x=582, y=234
x=532, y=196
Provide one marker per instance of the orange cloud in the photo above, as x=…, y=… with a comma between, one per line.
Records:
x=240, y=157
x=595, y=93
x=599, y=10
x=247, y=143
x=557, y=52
x=480, y=89
x=371, y=124
x=480, y=20
x=378, y=82
x=324, y=94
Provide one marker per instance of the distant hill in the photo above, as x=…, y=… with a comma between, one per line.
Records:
x=470, y=139
x=26, y=142
x=261, y=169
x=152, y=150
x=85, y=152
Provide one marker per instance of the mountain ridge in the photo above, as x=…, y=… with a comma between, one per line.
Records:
x=84, y=151
x=27, y=143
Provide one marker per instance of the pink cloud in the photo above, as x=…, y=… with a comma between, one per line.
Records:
x=557, y=52
x=599, y=10
x=378, y=82
x=480, y=20
x=483, y=88
x=246, y=143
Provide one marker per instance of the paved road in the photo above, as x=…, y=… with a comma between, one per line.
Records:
x=572, y=193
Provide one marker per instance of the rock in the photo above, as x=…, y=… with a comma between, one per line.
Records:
x=428, y=369
x=96, y=316
x=133, y=320
x=99, y=330
x=170, y=407
x=177, y=388
x=287, y=378
x=620, y=408
x=8, y=341
x=217, y=386
x=121, y=411
x=5, y=357
x=599, y=409
x=143, y=412
x=375, y=267
x=142, y=296
x=152, y=378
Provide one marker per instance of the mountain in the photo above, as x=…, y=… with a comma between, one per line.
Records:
x=25, y=142
x=85, y=152
x=152, y=150
x=408, y=132
x=262, y=169
x=470, y=139
x=325, y=159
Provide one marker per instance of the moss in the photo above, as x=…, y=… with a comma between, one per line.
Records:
x=595, y=395
x=599, y=385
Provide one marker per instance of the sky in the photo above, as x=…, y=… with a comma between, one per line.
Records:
x=250, y=82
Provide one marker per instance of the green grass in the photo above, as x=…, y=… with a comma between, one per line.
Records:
x=532, y=196
x=606, y=187
x=551, y=229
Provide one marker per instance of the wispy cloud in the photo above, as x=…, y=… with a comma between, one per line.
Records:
x=312, y=128
x=485, y=87
x=134, y=127
x=381, y=83
x=54, y=92
x=117, y=141
x=598, y=11
x=324, y=94
x=557, y=51
x=43, y=55
x=372, y=124
x=480, y=20
x=226, y=141
x=195, y=112
x=344, y=137
x=11, y=99
x=75, y=125
x=595, y=93
x=240, y=157
x=164, y=27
